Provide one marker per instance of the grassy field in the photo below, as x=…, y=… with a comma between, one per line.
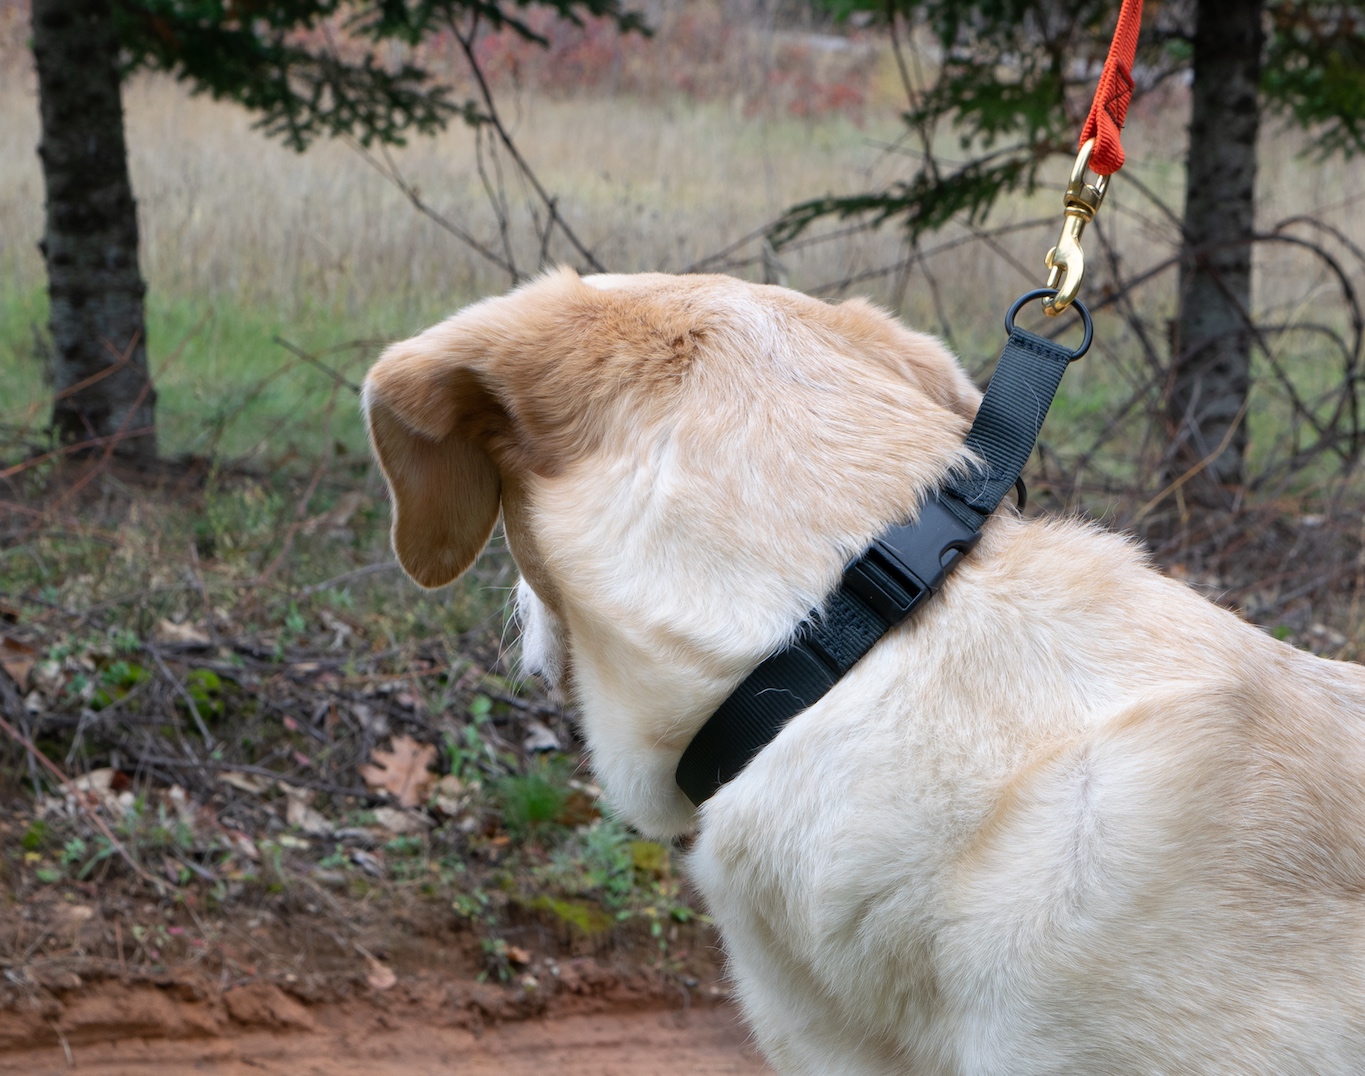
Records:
x=244, y=241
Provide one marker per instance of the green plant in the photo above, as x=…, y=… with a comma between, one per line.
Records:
x=468, y=754
x=73, y=852
x=103, y=850
x=530, y=802
x=116, y=680
x=496, y=960
x=337, y=859
x=205, y=687
x=474, y=905
x=608, y=863
x=36, y=836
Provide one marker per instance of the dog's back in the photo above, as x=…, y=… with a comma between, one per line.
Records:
x=1095, y=827
x=1070, y=818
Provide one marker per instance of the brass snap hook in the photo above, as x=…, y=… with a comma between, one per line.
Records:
x=1066, y=261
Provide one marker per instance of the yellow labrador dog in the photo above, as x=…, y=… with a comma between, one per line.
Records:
x=1070, y=818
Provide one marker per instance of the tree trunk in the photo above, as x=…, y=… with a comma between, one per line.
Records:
x=102, y=389
x=1212, y=347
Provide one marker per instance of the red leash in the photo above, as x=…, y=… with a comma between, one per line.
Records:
x=1101, y=153
x=1114, y=94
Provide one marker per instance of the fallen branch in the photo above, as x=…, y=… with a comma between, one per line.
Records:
x=89, y=811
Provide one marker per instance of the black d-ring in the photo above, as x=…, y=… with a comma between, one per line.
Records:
x=1045, y=293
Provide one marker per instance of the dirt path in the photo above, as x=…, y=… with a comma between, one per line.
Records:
x=702, y=1042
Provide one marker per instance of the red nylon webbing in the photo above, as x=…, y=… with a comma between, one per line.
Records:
x=1114, y=94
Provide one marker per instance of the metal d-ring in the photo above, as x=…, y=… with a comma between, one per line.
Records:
x=1046, y=293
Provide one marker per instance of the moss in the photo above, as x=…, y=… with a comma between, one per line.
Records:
x=582, y=916
x=649, y=857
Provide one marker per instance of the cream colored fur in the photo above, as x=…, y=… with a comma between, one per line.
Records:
x=1072, y=818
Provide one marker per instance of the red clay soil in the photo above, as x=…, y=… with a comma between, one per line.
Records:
x=591, y=1018
x=339, y=1041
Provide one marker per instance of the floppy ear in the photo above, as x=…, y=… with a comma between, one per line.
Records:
x=428, y=418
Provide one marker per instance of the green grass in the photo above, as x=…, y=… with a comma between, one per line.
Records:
x=225, y=386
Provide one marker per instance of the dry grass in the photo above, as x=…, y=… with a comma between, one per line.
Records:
x=238, y=228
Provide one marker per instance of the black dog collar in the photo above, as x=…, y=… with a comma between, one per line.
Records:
x=902, y=569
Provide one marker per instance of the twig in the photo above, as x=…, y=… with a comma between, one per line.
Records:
x=122, y=433
x=389, y=170
x=346, y=577
x=72, y=449
x=302, y=510
x=198, y=579
x=1198, y=467
x=182, y=691
x=85, y=808
x=522, y=704
x=496, y=193
x=312, y=360
x=466, y=42
x=261, y=771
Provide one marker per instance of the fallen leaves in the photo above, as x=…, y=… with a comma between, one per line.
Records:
x=539, y=737
x=17, y=659
x=300, y=813
x=245, y=782
x=450, y=796
x=380, y=976
x=402, y=823
x=105, y=788
x=403, y=773
x=167, y=631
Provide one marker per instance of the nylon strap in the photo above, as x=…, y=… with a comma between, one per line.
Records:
x=904, y=567
x=1114, y=94
x=1009, y=420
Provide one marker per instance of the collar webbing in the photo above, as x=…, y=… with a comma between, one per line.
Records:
x=901, y=570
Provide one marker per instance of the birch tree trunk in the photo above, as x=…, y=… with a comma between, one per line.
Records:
x=1213, y=341
x=101, y=385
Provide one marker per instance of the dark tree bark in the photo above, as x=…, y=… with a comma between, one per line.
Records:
x=1213, y=341
x=101, y=384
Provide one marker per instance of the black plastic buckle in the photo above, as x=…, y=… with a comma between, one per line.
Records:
x=906, y=564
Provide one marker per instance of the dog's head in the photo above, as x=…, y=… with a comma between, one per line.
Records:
x=683, y=466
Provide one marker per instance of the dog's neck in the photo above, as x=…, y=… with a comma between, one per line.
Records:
x=645, y=686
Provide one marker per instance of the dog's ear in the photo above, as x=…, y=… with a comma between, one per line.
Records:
x=431, y=419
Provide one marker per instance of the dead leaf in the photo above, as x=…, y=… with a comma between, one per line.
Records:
x=404, y=773
x=338, y=516
x=245, y=782
x=341, y=630
x=368, y=862
x=183, y=806
x=17, y=659
x=402, y=823
x=48, y=679
x=517, y=955
x=242, y=844
x=380, y=976
x=449, y=796
x=375, y=724
x=187, y=634
x=539, y=738
x=300, y=814
x=93, y=789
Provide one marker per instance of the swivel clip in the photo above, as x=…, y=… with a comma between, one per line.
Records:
x=1066, y=261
